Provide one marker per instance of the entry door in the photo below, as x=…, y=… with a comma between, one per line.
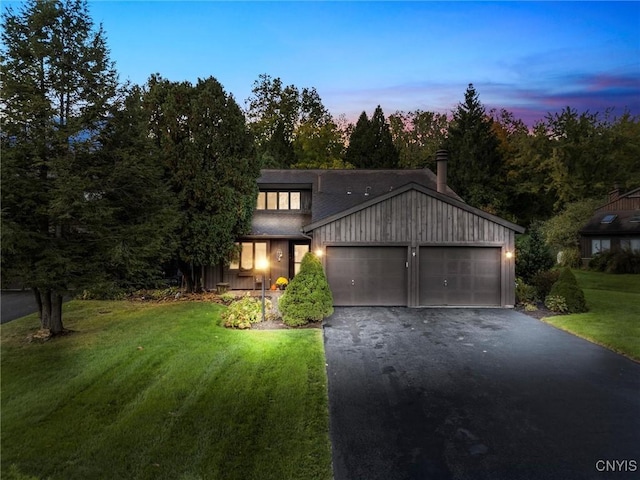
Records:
x=367, y=276
x=460, y=276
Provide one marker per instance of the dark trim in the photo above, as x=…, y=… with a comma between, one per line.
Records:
x=424, y=190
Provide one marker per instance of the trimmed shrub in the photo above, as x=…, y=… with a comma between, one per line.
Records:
x=567, y=288
x=308, y=297
x=567, y=276
x=242, y=313
x=543, y=281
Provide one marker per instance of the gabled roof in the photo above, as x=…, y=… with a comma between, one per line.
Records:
x=613, y=222
x=334, y=191
x=619, y=216
x=420, y=188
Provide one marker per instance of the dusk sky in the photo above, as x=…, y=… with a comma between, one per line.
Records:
x=528, y=57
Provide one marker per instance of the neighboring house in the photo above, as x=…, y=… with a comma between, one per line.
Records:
x=613, y=226
x=386, y=237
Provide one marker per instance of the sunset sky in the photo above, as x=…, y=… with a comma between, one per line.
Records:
x=528, y=57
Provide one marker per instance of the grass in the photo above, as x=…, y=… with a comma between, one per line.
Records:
x=613, y=319
x=149, y=391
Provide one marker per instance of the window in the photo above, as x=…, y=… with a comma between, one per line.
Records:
x=250, y=254
x=635, y=219
x=632, y=244
x=608, y=218
x=278, y=201
x=599, y=245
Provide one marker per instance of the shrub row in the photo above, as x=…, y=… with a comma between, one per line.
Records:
x=619, y=261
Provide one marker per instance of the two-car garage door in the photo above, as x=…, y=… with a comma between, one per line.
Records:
x=453, y=276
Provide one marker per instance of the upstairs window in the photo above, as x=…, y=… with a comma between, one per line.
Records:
x=278, y=201
x=608, y=218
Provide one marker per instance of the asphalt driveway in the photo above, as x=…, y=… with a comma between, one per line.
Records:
x=476, y=394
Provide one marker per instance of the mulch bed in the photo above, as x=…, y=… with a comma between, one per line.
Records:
x=539, y=314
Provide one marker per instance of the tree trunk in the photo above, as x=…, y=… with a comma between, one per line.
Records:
x=56, y=314
x=50, y=310
x=187, y=273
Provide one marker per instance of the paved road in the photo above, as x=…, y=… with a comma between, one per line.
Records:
x=16, y=304
x=476, y=394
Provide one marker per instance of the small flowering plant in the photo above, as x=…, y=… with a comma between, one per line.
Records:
x=282, y=282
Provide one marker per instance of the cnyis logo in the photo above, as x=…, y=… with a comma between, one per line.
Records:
x=616, y=466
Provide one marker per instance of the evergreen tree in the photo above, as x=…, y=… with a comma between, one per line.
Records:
x=61, y=190
x=475, y=164
x=383, y=153
x=360, y=140
x=308, y=297
x=370, y=143
x=211, y=164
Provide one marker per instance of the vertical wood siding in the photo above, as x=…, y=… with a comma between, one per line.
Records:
x=413, y=218
x=416, y=219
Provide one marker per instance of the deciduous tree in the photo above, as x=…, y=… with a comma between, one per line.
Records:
x=417, y=135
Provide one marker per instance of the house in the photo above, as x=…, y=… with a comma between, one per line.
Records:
x=613, y=226
x=386, y=237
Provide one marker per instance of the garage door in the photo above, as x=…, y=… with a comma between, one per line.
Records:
x=361, y=276
x=460, y=276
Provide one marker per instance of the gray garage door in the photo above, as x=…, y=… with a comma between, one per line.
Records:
x=460, y=276
x=367, y=276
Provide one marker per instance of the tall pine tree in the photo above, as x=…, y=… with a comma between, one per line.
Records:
x=61, y=193
x=371, y=144
x=475, y=164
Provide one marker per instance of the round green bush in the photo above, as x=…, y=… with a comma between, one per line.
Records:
x=308, y=297
x=567, y=276
x=572, y=294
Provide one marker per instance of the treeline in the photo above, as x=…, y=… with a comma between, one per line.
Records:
x=102, y=183
x=497, y=163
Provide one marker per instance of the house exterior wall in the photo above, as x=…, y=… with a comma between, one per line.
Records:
x=631, y=202
x=416, y=220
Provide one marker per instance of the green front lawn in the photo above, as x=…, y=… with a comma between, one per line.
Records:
x=162, y=391
x=613, y=319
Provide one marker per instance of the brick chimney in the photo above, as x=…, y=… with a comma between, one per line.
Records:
x=442, y=157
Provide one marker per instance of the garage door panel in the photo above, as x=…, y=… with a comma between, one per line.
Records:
x=363, y=276
x=459, y=276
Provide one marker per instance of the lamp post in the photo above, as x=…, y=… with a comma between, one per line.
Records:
x=263, y=265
